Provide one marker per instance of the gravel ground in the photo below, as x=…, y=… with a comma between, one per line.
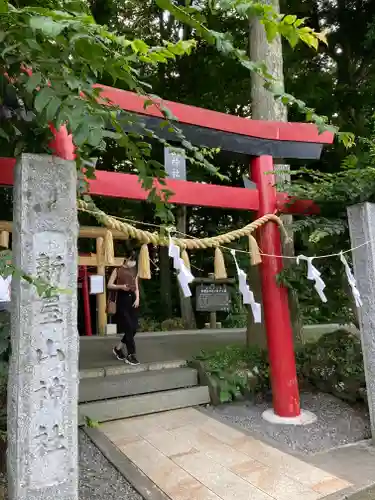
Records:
x=338, y=424
x=98, y=479
x=368, y=494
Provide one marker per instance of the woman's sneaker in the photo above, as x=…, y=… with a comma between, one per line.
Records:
x=119, y=354
x=131, y=360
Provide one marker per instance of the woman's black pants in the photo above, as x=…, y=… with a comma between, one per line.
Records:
x=127, y=319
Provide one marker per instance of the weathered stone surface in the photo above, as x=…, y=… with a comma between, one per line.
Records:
x=362, y=229
x=96, y=389
x=133, y=406
x=43, y=382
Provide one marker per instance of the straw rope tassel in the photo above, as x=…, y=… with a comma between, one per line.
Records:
x=4, y=239
x=100, y=259
x=185, y=258
x=144, y=271
x=219, y=265
x=254, y=251
x=109, y=252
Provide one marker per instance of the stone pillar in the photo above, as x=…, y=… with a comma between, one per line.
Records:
x=43, y=381
x=362, y=228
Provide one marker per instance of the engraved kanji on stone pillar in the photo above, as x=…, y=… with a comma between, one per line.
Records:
x=43, y=381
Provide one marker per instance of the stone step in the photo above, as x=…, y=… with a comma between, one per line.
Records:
x=121, y=368
x=131, y=384
x=133, y=406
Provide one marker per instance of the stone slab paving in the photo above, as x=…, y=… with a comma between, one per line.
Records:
x=190, y=455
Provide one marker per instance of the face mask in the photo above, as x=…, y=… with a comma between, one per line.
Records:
x=130, y=263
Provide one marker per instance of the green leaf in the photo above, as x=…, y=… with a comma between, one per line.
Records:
x=95, y=136
x=89, y=422
x=78, y=7
x=33, y=82
x=17, y=132
x=9, y=49
x=33, y=44
x=309, y=40
x=42, y=99
x=225, y=396
x=147, y=103
x=4, y=6
x=81, y=134
x=192, y=18
x=47, y=25
x=300, y=22
x=271, y=31
x=52, y=108
x=111, y=135
x=290, y=19
x=3, y=134
x=139, y=46
x=293, y=37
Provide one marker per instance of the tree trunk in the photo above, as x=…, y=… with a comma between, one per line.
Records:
x=264, y=107
x=187, y=312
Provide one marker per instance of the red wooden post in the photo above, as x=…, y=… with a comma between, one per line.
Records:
x=62, y=143
x=285, y=392
x=86, y=301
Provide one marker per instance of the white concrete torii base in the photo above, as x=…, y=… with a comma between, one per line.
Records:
x=304, y=418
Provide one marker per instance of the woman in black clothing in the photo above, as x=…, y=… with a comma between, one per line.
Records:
x=124, y=281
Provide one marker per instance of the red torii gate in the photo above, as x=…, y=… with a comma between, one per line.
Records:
x=261, y=141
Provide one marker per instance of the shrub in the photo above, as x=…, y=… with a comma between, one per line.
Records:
x=168, y=325
x=237, y=371
x=149, y=325
x=333, y=364
x=238, y=316
x=235, y=320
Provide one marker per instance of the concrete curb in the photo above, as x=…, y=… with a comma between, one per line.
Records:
x=307, y=330
x=140, y=482
x=146, y=335
x=347, y=494
x=368, y=492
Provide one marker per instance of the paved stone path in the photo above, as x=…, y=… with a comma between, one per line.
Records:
x=188, y=454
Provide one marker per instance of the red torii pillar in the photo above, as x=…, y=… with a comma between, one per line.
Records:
x=279, y=330
x=300, y=140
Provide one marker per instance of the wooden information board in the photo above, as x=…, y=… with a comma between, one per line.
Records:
x=212, y=298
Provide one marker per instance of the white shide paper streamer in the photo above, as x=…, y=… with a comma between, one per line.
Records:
x=184, y=275
x=247, y=294
x=314, y=275
x=352, y=282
